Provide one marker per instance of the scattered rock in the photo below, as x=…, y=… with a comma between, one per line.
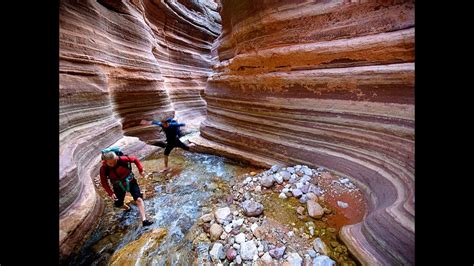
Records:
x=285, y=175
x=253, y=227
x=221, y=214
x=300, y=210
x=236, y=246
x=304, y=198
x=252, y=208
x=297, y=193
x=238, y=259
x=267, y=181
x=206, y=217
x=217, y=252
x=282, y=196
x=275, y=168
x=231, y=254
x=294, y=259
x=248, y=250
x=216, y=231
x=323, y=261
x=228, y=228
x=278, y=178
x=267, y=259
x=253, y=173
x=240, y=238
x=277, y=253
x=314, y=209
x=258, y=189
x=320, y=247
x=342, y=204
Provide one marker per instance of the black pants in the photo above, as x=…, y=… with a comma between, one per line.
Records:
x=171, y=145
x=120, y=193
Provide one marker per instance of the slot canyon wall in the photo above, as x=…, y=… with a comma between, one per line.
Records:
x=324, y=83
x=120, y=62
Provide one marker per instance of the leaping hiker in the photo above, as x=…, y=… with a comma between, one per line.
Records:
x=117, y=168
x=172, y=132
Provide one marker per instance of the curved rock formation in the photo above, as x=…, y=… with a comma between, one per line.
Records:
x=324, y=83
x=120, y=62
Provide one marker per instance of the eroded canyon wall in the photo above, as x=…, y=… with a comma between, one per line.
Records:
x=120, y=62
x=324, y=83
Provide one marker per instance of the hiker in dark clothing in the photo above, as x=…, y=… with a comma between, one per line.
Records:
x=117, y=169
x=172, y=132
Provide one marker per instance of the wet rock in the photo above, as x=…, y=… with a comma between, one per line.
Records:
x=312, y=253
x=217, y=252
x=238, y=222
x=305, y=188
x=294, y=259
x=247, y=180
x=323, y=261
x=224, y=236
x=304, y=198
x=312, y=196
x=315, y=190
x=314, y=209
x=238, y=259
x=253, y=227
x=320, y=247
x=216, y=231
x=228, y=228
x=282, y=196
x=277, y=253
x=240, y=238
x=231, y=254
x=248, y=250
x=307, y=171
x=267, y=259
x=296, y=193
x=285, y=175
x=300, y=210
x=206, y=218
x=278, y=178
x=342, y=204
x=275, y=168
x=267, y=181
x=252, y=208
x=221, y=214
x=293, y=179
x=207, y=228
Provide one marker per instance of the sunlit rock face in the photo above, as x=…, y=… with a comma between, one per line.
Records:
x=324, y=83
x=120, y=62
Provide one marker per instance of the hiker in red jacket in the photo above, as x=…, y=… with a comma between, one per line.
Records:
x=117, y=169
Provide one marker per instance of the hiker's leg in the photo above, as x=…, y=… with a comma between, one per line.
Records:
x=182, y=145
x=141, y=208
x=168, y=149
x=120, y=194
x=138, y=197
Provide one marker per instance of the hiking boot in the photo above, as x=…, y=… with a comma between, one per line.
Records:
x=147, y=223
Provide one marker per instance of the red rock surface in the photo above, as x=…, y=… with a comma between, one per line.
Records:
x=120, y=62
x=324, y=83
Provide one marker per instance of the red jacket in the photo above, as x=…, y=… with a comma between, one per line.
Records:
x=119, y=172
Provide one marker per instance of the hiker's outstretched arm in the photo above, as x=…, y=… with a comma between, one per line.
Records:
x=104, y=182
x=179, y=124
x=156, y=123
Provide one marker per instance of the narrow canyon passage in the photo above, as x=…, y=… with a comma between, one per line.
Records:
x=307, y=108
